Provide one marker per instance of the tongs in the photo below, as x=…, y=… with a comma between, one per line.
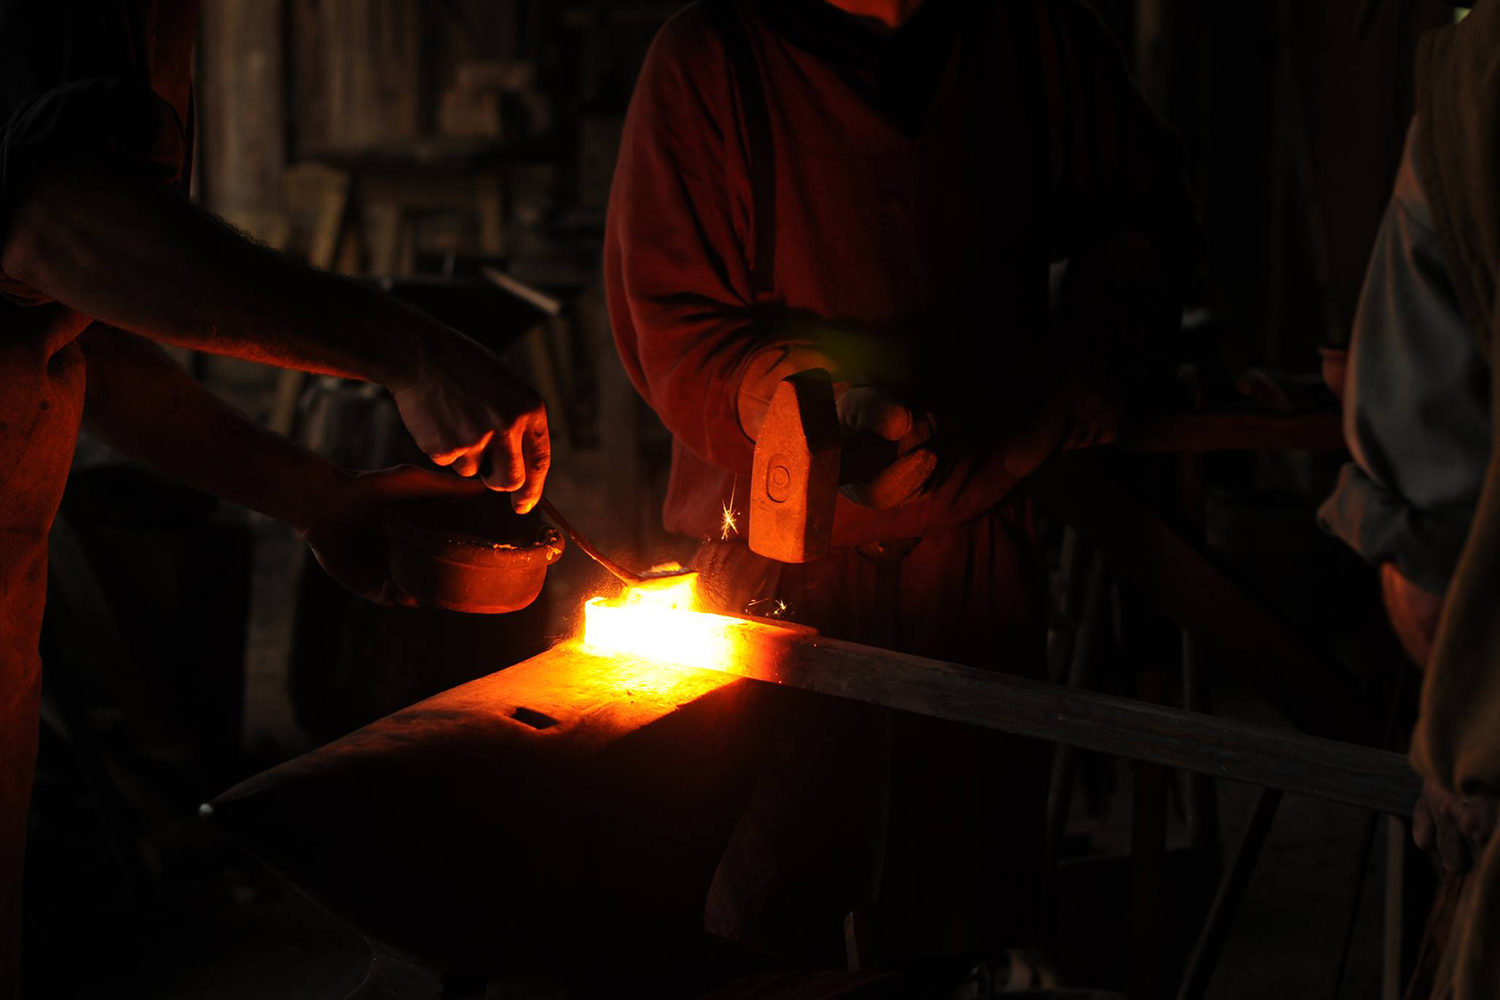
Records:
x=619, y=572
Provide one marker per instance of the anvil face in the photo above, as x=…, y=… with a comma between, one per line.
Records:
x=571, y=805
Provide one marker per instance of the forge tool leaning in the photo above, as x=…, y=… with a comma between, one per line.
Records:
x=625, y=576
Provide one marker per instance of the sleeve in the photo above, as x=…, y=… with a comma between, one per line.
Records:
x=1457, y=739
x=1416, y=403
x=70, y=93
x=1120, y=208
x=676, y=267
x=1383, y=526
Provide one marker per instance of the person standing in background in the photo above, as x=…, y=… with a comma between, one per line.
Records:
x=1421, y=498
x=877, y=188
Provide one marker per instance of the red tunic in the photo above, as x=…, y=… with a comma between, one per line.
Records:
x=935, y=237
x=90, y=82
x=923, y=185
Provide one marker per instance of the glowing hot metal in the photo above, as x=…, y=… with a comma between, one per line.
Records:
x=661, y=625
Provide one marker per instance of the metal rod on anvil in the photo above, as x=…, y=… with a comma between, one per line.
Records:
x=1239, y=751
x=619, y=572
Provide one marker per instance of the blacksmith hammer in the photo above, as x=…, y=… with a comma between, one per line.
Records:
x=801, y=460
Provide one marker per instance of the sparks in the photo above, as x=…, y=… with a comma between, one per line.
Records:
x=777, y=609
x=730, y=525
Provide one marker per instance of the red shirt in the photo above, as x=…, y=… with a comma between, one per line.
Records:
x=926, y=223
x=79, y=82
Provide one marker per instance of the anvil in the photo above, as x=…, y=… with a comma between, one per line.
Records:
x=570, y=810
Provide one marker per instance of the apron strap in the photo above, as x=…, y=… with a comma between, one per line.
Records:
x=735, y=32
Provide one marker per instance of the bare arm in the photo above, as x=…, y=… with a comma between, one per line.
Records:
x=146, y=260
x=115, y=247
x=142, y=404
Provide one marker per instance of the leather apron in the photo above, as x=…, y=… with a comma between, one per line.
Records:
x=41, y=404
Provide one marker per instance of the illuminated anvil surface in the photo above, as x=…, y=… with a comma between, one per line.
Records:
x=573, y=804
x=570, y=810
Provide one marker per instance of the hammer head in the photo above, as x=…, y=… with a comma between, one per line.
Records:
x=795, y=480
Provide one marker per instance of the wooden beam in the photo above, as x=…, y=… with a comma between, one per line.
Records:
x=1216, y=925
x=1315, y=693
x=1202, y=432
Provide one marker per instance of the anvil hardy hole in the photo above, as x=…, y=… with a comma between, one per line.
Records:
x=533, y=718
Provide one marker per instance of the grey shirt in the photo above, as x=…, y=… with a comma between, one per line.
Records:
x=1416, y=404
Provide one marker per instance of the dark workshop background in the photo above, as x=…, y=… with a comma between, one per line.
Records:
x=434, y=145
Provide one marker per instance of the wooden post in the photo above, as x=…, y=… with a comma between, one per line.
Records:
x=1315, y=693
x=1153, y=52
x=1201, y=794
x=1211, y=940
x=243, y=109
x=1393, y=968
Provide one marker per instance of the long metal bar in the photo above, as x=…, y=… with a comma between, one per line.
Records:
x=1239, y=751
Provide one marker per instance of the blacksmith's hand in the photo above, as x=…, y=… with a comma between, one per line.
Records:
x=873, y=413
x=347, y=536
x=467, y=410
x=1456, y=827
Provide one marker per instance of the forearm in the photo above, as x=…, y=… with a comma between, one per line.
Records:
x=142, y=404
x=147, y=261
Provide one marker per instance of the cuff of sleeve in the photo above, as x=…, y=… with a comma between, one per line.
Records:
x=763, y=371
x=1383, y=527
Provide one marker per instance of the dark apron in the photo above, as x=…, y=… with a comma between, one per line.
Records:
x=41, y=404
x=933, y=830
